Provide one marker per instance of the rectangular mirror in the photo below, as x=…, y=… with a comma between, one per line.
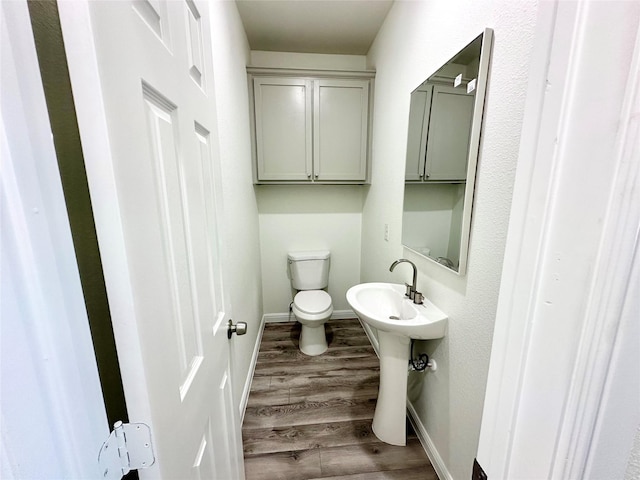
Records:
x=445, y=121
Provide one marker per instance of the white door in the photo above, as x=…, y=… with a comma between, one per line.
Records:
x=143, y=84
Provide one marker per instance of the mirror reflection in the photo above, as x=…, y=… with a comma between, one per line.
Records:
x=442, y=148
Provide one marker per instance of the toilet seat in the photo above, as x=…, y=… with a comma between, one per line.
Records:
x=312, y=302
x=312, y=308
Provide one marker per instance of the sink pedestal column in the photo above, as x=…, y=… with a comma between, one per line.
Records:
x=389, y=419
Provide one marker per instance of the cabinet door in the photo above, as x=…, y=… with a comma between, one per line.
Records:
x=417, y=136
x=341, y=129
x=283, y=128
x=448, y=137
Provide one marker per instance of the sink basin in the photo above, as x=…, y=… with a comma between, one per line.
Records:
x=384, y=306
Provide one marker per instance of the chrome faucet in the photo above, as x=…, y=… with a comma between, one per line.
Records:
x=412, y=291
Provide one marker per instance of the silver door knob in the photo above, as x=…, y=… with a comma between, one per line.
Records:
x=239, y=329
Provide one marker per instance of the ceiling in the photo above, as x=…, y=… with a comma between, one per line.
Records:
x=313, y=26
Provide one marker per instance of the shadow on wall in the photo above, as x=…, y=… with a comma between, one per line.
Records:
x=309, y=198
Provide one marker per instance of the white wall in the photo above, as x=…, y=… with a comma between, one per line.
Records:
x=307, y=60
x=309, y=217
x=633, y=467
x=428, y=217
x=416, y=38
x=241, y=235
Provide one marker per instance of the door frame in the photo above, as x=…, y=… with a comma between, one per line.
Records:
x=566, y=311
x=51, y=383
x=52, y=60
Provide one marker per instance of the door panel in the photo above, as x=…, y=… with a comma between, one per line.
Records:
x=162, y=133
x=154, y=61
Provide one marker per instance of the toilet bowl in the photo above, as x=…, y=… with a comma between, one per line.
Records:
x=312, y=308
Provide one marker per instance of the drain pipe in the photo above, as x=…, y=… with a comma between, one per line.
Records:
x=422, y=362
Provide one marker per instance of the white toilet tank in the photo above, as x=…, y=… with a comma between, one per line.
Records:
x=309, y=270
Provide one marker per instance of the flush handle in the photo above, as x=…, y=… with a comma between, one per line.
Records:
x=239, y=329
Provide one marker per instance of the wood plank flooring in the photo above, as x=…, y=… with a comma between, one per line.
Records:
x=309, y=418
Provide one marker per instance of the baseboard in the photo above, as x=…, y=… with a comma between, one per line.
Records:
x=288, y=317
x=252, y=370
x=278, y=317
x=427, y=444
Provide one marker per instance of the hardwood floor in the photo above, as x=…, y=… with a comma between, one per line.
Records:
x=310, y=417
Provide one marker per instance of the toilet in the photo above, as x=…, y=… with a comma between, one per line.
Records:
x=312, y=307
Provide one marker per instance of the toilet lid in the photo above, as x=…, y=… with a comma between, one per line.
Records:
x=312, y=301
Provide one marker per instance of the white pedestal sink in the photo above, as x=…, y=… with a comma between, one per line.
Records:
x=385, y=307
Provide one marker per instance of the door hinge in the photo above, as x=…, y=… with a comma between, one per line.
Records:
x=127, y=448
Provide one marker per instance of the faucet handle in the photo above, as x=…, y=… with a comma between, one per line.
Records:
x=409, y=292
x=418, y=298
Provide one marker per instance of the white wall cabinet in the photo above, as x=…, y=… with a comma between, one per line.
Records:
x=439, y=131
x=311, y=129
x=283, y=128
